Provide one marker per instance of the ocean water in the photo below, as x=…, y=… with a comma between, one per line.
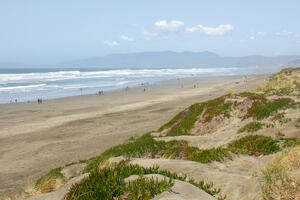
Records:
x=48, y=83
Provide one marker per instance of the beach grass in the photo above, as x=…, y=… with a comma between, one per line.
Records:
x=108, y=183
x=251, y=127
x=50, y=181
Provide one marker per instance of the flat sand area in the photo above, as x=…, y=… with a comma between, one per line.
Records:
x=35, y=138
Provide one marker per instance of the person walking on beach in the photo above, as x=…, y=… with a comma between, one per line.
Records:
x=10, y=100
x=16, y=100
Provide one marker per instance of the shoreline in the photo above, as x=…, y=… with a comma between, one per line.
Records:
x=37, y=137
x=186, y=80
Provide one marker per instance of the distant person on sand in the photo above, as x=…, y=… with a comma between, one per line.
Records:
x=144, y=89
x=16, y=100
x=195, y=86
x=10, y=100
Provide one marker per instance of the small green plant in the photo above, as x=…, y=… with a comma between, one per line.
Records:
x=254, y=145
x=216, y=107
x=251, y=127
x=290, y=142
x=173, y=121
x=144, y=146
x=280, y=117
x=183, y=122
x=188, y=121
x=263, y=108
x=206, y=155
x=108, y=183
x=250, y=95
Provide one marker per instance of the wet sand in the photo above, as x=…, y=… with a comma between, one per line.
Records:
x=35, y=138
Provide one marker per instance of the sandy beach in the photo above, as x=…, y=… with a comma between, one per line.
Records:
x=35, y=138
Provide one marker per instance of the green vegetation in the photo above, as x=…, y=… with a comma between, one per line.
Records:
x=251, y=127
x=263, y=109
x=250, y=94
x=188, y=121
x=108, y=183
x=144, y=146
x=280, y=92
x=291, y=142
x=171, y=122
x=206, y=155
x=183, y=122
x=216, y=107
x=280, y=117
x=51, y=181
x=254, y=145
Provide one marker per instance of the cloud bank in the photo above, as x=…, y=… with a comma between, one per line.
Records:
x=211, y=31
x=124, y=37
x=112, y=44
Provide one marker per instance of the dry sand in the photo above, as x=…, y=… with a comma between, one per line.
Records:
x=35, y=138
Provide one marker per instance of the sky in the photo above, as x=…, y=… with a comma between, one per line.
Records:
x=53, y=31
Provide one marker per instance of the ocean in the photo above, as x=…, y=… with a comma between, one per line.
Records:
x=47, y=83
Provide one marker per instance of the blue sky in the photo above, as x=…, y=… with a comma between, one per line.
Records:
x=50, y=31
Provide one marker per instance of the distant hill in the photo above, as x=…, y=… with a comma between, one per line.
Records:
x=172, y=59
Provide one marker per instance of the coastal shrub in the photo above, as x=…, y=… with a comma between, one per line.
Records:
x=280, y=117
x=108, y=183
x=185, y=121
x=206, y=155
x=250, y=95
x=263, y=108
x=173, y=121
x=290, y=142
x=50, y=181
x=188, y=121
x=254, y=145
x=216, y=107
x=251, y=127
x=144, y=146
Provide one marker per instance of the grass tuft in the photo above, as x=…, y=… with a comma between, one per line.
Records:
x=51, y=181
x=263, y=109
x=251, y=127
x=188, y=120
x=108, y=184
x=254, y=145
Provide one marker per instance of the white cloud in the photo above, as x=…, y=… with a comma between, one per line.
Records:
x=172, y=26
x=149, y=35
x=124, y=37
x=297, y=35
x=112, y=44
x=211, y=31
x=254, y=35
x=260, y=33
x=284, y=33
